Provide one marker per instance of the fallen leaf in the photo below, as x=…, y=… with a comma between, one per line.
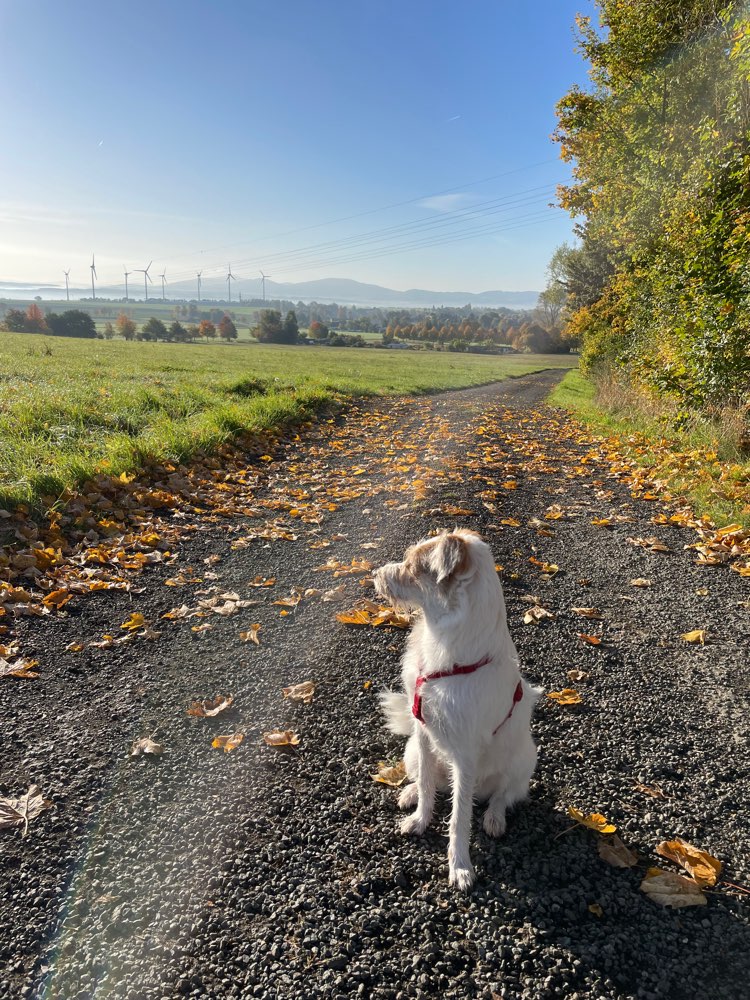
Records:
x=592, y=640
x=201, y=628
x=653, y=790
x=536, y=615
x=263, y=581
x=18, y=812
x=670, y=889
x=587, y=612
x=182, y=612
x=57, y=599
x=697, y=636
x=303, y=692
x=281, y=738
x=252, y=634
x=640, y=582
x=135, y=622
x=575, y=675
x=75, y=647
x=596, y=909
x=614, y=852
x=23, y=668
x=704, y=868
x=510, y=522
x=393, y=776
x=592, y=821
x=210, y=707
x=568, y=696
x=335, y=594
x=228, y=743
x=146, y=745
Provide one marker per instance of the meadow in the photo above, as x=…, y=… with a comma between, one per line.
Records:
x=70, y=408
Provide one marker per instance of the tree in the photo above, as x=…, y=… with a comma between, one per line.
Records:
x=291, y=328
x=206, y=329
x=177, y=332
x=318, y=330
x=227, y=329
x=35, y=319
x=72, y=323
x=270, y=329
x=193, y=332
x=154, y=329
x=125, y=326
x=15, y=321
x=109, y=330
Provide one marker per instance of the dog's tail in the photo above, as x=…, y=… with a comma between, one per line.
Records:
x=395, y=708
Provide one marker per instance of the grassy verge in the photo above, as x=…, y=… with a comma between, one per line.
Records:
x=703, y=461
x=69, y=408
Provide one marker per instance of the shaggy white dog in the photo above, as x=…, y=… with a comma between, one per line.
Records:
x=465, y=707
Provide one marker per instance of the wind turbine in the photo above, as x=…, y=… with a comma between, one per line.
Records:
x=67, y=289
x=230, y=279
x=198, y=276
x=163, y=282
x=92, y=265
x=146, y=279
x=127, y=274
x=263, y=279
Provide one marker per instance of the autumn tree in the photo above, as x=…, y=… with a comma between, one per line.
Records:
x=125, y=326
x=318, y=330
x=227, y=329
x=206, y=329
x=36, y=321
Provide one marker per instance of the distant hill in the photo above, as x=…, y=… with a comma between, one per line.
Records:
x=342, y=290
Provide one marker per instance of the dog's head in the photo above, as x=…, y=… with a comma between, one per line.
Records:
x=438, y=574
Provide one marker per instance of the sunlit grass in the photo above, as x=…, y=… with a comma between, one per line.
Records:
x=69, y=408
x=703, y=461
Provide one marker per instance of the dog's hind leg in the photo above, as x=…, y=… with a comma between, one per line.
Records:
x=425, y=784
x=460, y=868
x=494, y=815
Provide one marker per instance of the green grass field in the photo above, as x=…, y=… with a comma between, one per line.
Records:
x=69, y=408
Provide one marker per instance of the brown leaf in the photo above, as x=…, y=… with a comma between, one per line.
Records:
x=640, y=582
x=537, y=614
x=210, y=707
x=57, y=599
x=23, y=668
x=252, y=634
x=587, y=612
x=303, y=692
x=263, y=581
x=18, y=812
x=592, y=640
x=614, y=852
x=596, y=909
x=575, y=676
x=670, y=889
x=228, y=743
x=704, y=868
x=393, y=776
x=146, y=745
x=281, y=738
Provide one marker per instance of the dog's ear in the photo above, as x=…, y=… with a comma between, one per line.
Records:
x=449, y=555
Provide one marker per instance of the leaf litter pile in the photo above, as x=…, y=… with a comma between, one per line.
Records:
x=349, y=496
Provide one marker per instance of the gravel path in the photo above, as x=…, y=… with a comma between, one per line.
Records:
x=279, y=873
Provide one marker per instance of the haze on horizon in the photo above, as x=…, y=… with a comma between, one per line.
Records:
x=405, y=146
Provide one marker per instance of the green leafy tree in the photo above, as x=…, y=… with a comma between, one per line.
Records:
x=109, y=330
x=71, y=323
x=270, y=329
x=291, y=328
x=15, y=321
x=177, y=332
x=154, y=329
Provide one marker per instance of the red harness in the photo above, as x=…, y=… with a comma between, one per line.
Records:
x=455, y=671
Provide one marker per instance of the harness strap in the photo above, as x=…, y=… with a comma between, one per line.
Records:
x=456, y=671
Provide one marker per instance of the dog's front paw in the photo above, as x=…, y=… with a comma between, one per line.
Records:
x=416, y=824
x=408, y=797
x=461, y=875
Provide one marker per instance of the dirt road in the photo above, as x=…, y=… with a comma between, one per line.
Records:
x=278, y=873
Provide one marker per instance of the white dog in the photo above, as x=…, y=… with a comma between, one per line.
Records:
x=466, y=708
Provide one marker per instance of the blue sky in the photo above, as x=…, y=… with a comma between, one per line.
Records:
x=196, y=133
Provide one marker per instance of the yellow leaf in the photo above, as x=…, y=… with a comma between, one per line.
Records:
x=704, y=868
x=640, y=582
x=228, y=743
x=568, y=696
x=135, y=622
x=393, y=776
x=511, y=522
x=592, y=821
x=57, y=598
x=279, y=738
x=697, y=636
